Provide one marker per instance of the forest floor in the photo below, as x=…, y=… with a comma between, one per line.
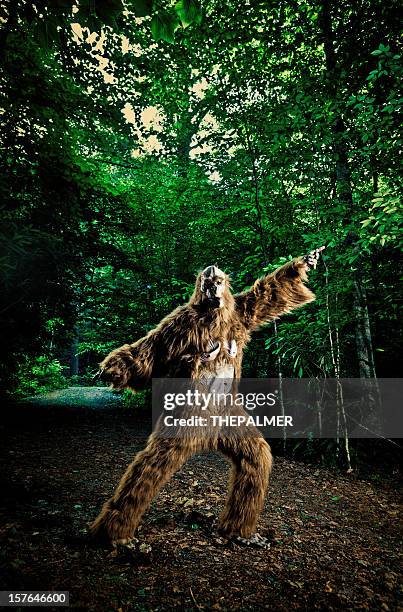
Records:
x=335, y=539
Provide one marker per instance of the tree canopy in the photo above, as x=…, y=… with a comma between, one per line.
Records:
x=143, y=141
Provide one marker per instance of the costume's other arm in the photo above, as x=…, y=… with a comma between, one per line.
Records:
x=166, y=346
x=277, y=293
x=130, y=365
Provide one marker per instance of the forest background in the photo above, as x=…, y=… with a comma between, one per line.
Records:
x=144, y=140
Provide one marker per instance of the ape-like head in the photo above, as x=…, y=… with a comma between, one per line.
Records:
x=212, y=287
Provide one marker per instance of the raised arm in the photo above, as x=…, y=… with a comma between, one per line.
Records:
x=277, y=293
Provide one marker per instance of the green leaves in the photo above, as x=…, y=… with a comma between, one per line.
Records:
x=188, y=11
x=382, y=50
x=164, y=23
x=39, y=375
x=163, y=26
x=384, y=225
x=246, y=101
x=102, y=13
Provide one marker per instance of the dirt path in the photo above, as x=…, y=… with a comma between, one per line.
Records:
x=96, y=398
x=335, y=540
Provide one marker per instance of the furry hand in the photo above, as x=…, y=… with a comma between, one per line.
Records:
x=117, y=367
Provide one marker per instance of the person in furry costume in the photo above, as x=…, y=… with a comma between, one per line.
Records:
x=203, y=338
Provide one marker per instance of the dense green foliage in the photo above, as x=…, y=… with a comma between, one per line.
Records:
x=273, y=128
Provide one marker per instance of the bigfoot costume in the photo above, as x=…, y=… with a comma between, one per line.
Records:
x=203, y=339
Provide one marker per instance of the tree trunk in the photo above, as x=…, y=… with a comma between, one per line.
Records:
x=280, y=385
x=74, y=361
x=363, y=336
x=365, y=354
x=184, y=137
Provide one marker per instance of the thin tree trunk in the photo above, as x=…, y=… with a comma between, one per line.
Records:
x=74, y=361
x=363, y=333
x=335, y=356
x=280, y=385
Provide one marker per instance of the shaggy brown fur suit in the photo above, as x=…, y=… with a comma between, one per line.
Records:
x=174, y=348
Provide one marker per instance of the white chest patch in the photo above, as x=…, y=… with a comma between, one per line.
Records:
x=214, y=348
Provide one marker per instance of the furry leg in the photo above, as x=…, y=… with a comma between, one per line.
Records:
x=150, y=470
x=251, y=465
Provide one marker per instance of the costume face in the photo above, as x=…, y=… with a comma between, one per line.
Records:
x=212, y=285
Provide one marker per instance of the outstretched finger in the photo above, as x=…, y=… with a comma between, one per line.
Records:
x=318, y=251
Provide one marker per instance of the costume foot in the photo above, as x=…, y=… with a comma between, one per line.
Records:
x=255, y=541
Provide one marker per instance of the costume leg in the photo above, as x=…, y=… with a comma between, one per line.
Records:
x=251, y=465
x=150, y=470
